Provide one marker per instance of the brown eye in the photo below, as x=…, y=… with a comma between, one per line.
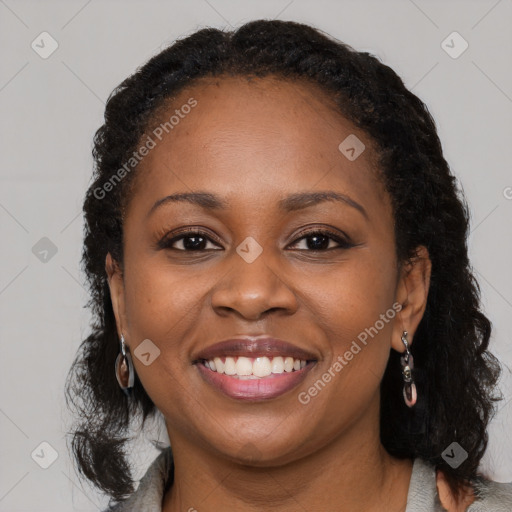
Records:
x=320, y=240
x=190, y=241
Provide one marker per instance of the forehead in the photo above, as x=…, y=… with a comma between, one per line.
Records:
x=254, y=111
x=261, y=136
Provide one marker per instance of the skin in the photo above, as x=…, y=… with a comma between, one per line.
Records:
x=253, y=143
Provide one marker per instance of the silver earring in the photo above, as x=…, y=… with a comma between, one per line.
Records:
x=407, y=363
x=125, y=373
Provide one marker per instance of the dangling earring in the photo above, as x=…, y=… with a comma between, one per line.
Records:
x=407, y=362
x=125, y=373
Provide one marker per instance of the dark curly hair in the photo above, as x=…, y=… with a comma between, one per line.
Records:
x=456, y=375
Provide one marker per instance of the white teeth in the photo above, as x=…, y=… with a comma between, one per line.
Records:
x=229, y=366
x=253, y=368
x=219, y=365
x=261, y=367
x=243, y=366
x=278, y=364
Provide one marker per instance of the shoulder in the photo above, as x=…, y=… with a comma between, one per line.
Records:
x=150, y=491
x=482, y=496
x=492, y=496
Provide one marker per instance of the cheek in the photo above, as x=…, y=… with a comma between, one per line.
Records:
x=157, y=298
x=351, y=296
x=354, y=306
x=161, y=305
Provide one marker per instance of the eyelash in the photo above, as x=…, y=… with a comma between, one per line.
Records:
x=166, y=242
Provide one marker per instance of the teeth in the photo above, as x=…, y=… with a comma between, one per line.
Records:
x=229, y=366
x=253, y=368
x=278, y=364
x=261, y=367
x=219, y=365
x=243, y=366
x=288, y=364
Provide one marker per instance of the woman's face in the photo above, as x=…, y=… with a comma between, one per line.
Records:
x=256, y=268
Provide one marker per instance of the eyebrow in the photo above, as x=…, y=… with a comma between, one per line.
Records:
x=306, y=199
x=293, y=202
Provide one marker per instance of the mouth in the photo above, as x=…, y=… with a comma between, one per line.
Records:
x=254, y=369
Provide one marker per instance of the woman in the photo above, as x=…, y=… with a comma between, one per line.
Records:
x=277, y=256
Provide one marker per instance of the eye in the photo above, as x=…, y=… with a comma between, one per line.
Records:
x=193, y=240
x=189, y=240
x=321, y=240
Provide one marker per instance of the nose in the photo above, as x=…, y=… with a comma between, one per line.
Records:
x=253, y=289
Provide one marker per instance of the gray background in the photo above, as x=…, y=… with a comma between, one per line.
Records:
x=51, y=108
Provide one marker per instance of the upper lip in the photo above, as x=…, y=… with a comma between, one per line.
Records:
x=252, y=347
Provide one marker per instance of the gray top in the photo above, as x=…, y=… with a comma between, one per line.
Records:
x=422, y=495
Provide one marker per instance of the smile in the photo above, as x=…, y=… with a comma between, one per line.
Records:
x=254, y=378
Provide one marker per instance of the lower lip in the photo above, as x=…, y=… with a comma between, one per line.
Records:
x=263, y=388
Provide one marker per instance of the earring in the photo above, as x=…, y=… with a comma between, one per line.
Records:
x=407, y=363
x=125, y=373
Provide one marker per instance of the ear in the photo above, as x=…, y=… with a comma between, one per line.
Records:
x=412, y=293
x=116, y=285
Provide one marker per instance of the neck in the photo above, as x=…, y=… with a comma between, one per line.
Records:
x=352, y=472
